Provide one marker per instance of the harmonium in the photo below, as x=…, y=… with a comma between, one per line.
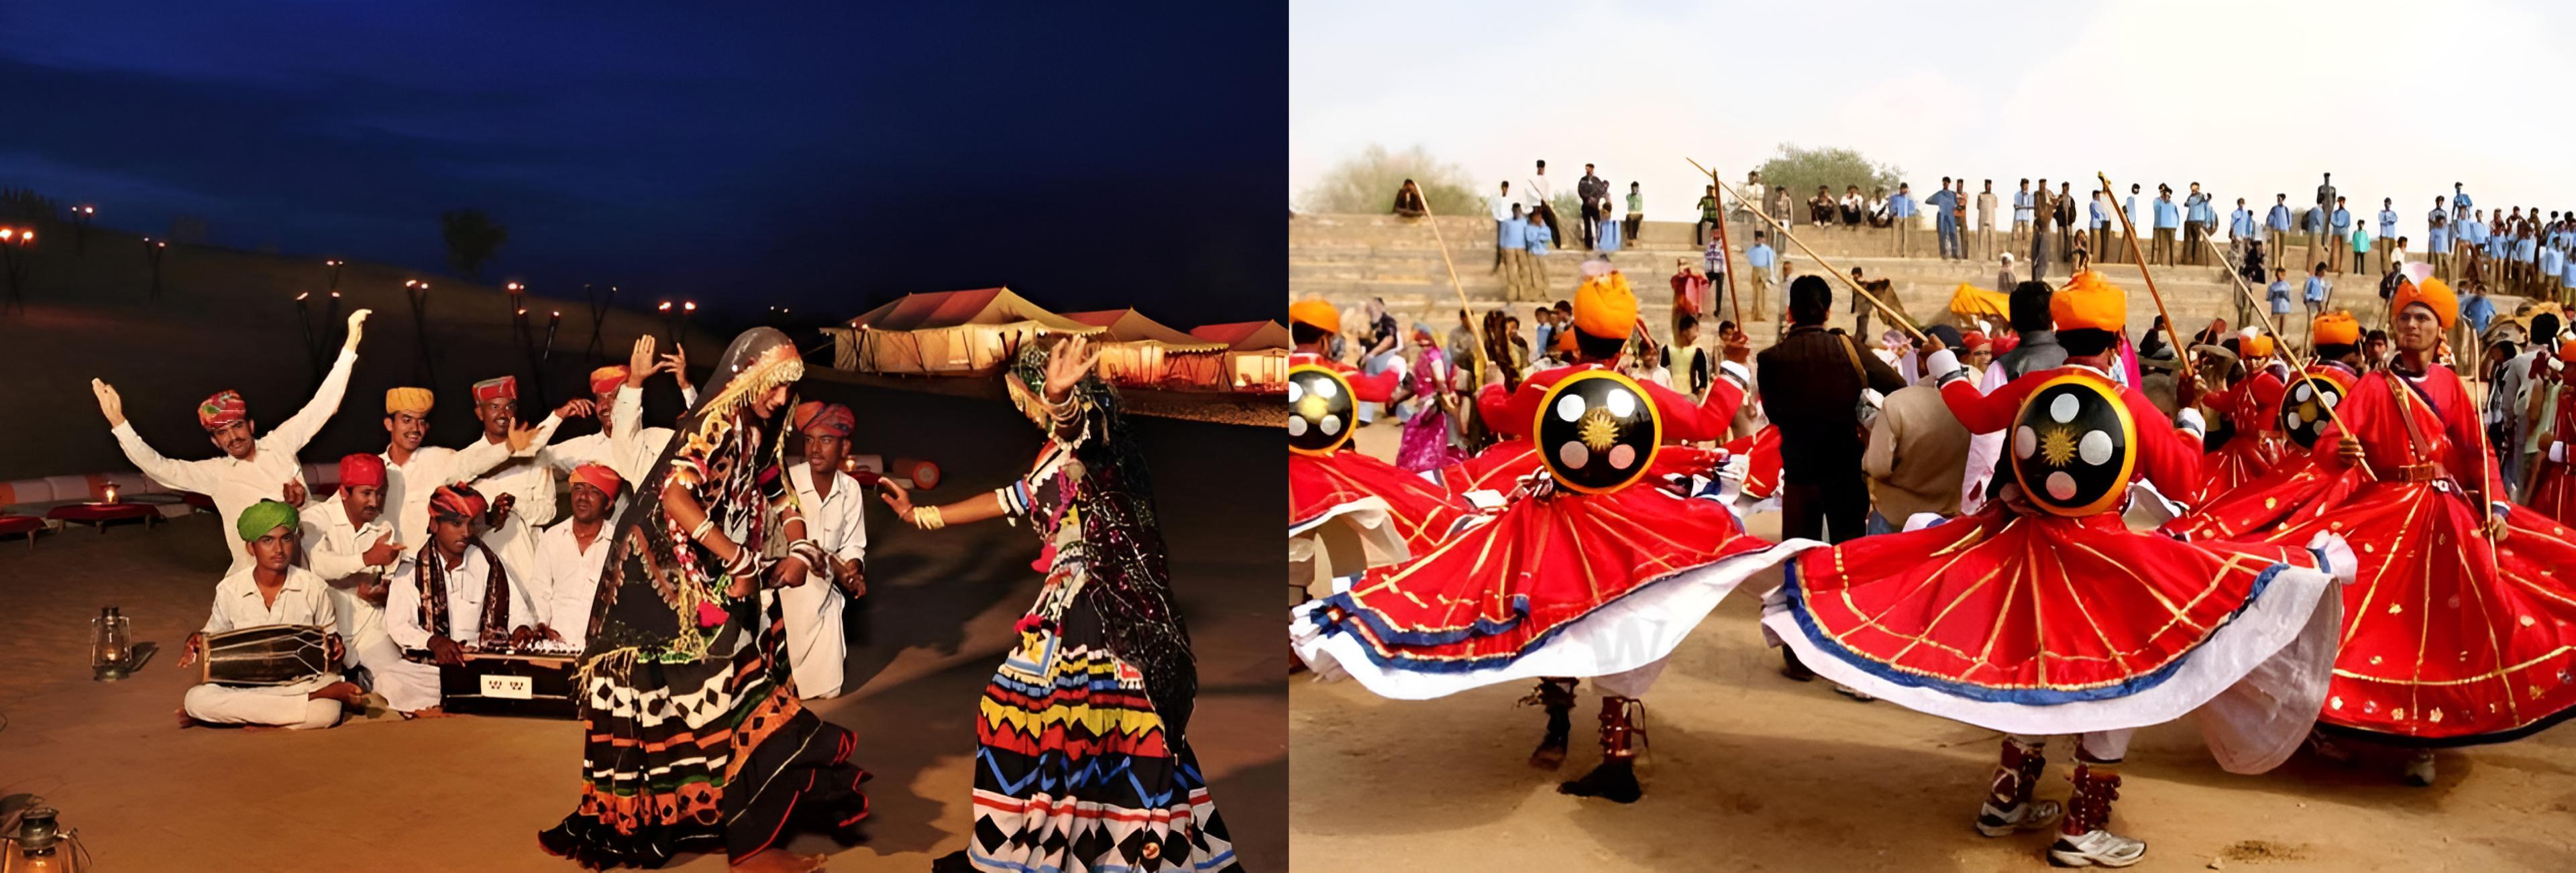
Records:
x=534, y=680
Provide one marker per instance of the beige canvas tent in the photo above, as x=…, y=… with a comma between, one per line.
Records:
x=1140, y=352
x=1256, y=353
x=946, y=332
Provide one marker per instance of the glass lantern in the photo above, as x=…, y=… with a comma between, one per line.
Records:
x=39, y=847
x=111, y=647
x=109, y=495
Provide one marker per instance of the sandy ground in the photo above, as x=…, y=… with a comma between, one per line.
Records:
x=1746, y=770
x=467, y=792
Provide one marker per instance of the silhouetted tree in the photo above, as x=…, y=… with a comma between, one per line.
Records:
x=472, y=238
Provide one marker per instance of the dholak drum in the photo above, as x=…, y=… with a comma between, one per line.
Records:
x=532, y=681
x=273, y=654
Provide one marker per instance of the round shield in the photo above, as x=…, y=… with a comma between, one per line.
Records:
x=1320, y=409
x=2074, y=445
x=1597, y=431
x=2304, y=408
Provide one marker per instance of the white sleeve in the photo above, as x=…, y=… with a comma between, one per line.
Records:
x=295, y=432
x=325, y=561
x=854, y=526
x=216, y=622
x=402, y=612
x=182, y=475
x=626, y=419
x=532, y=595
x=325, y=615
x=468, y=463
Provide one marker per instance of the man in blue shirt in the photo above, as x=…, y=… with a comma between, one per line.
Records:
x=1507, y=231
x=2526, y=252
x=1945, y=204
x=2317, y=289
x=2278, y=222
x=2198, y=220
x=2437, y=243
x=1900, y=216
x=2168, y=220
x=2137, y=217
x=2341, y=225
x=2387, y=227
x=2279, y=296
x=1760, y=259
x=2021, y=215
x=2101, y=224
x=2459, y=203
x=2240, y=230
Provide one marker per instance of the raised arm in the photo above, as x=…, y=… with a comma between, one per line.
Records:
x=293, y=433
x=182, y=475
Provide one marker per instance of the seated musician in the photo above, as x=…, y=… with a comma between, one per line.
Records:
x=351, y=547
x=271, y=591
x=459, y=598
x=570, y=557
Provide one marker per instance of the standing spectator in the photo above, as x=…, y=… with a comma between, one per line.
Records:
x=1810, y=384
x=1539, y=192
x=1536, y=238
x=2022, y=214
x=1609, y=228
x=2459, y=203
x=2566, y=278
x=1544, y=333
x=1917, y=454
x=2198, y=218
x=1691, y=291
x=2314, y=225
x=2139, y=219
x=1594, y=192
x=1860, y=304
x=1636, y=220
x=2240, y=230
x=1945, y=221
x=2317, y=290
x=2100, y=220
x=2279, y=294
x=2043, y=218
x=1710, y=214
x=1690, y=368
x=2277, y=223
x=2388, y=284
x=1408, y=201
x=1758, y=267
x=2360, y=246
x=2526, y=255
x=2326, y=199
x=2004, y=278
x=2168, y=220
x=1779, y=210
x=2066, y=232
x=2387, y=226
x=1511, y=244
x=1959, y=216
x=2341, y=223
x=1506, y=220
x=1755, y=194
x=2437, y=243
x=1986, y=221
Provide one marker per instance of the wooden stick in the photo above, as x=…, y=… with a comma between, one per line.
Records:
x=1461, y=289
x=1726, y=257
x=2304, y=375
x=2131, y=231
x=1894, y=317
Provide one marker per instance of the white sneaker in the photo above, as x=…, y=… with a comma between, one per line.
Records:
x=1996, y=821
x=1853, y=693
x=2419, y=769
x=2096, y=848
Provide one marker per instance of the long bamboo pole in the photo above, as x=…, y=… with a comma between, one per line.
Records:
x=2131, y=231
x=1726, y=258
x=1459, y=287
x=1894, y=316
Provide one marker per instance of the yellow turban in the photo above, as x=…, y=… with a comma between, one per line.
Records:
x=2092, y=302
x=1317, y=314
x=2335, y=329
x=2259, y=345
x=413, y=400
x=2434, y=294
x=1604, y=307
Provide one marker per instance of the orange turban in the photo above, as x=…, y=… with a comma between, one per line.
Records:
x=1316, y=313
x=2434, y=294
x=597, y=476
x=413, y=400
x=2567, y=350
x=2258, y=345
x=496, y=388
x=1604, y=307
x=607, y=379
x=1565, y=342
x=2091, y=302
x=2335, y=329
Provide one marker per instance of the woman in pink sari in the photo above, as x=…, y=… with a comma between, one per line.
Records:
x=1426, y=432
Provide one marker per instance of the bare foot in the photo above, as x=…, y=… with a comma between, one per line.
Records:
x=186, y=721
x=348, y=693
x=428, y=712
x=780, y=861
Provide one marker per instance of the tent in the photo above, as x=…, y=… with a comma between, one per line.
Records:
x=945, y=332
x=1256, y=353
x=1141, y=352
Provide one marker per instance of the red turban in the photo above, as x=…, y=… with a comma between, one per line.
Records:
x=457, y=500
x=607, y=379
x=362, y=469
x=222, y=410
x=2006, y=342
x=506, y=386
x=598, y=476
x=1973, y=339
x=815, y=416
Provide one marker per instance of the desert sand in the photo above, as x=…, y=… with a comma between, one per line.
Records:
x=378, y=793
x=1746, y=770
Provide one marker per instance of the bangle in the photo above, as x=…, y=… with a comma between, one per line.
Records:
x=699, y=533
x=927, y=518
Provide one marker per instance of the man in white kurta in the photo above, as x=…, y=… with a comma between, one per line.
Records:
x=529, y=481
x=413, y=471
x=571, y=555
x=833, y=508
x=272, y=591
x=461, y=568
x=636, y=447
x=599, y=447
x=350, y=546
x=250, y=470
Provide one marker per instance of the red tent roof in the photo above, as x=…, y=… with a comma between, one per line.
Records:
x=1129, y=326
x=1244, y=336
x=939, y=309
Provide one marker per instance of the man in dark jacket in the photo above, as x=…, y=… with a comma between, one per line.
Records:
x=2039, y=350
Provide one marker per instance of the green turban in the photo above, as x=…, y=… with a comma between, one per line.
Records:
x=265, y=516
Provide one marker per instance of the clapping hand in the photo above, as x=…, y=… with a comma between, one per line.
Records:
x=1072, y=360
x=639, y=363
x=356, y=320
x=576, y=408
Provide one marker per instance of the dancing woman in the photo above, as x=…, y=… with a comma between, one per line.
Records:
x=1082, y=760
x=693, y=737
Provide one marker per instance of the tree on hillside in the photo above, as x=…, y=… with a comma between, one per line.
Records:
x=472, y=238
x=1802, y=169
x=24, y=204
x=1366, y=183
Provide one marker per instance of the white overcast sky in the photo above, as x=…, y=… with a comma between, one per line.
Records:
x=2249, y=98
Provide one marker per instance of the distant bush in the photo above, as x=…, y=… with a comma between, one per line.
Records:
x=1802, y=169
x=22, y=204
x=1366, y=183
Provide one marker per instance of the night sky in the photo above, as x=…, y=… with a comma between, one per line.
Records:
x=824, y=156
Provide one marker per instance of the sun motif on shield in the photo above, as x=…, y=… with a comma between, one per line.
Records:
x=1313, y=406
x=1599, y=429
x=2058, y=446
